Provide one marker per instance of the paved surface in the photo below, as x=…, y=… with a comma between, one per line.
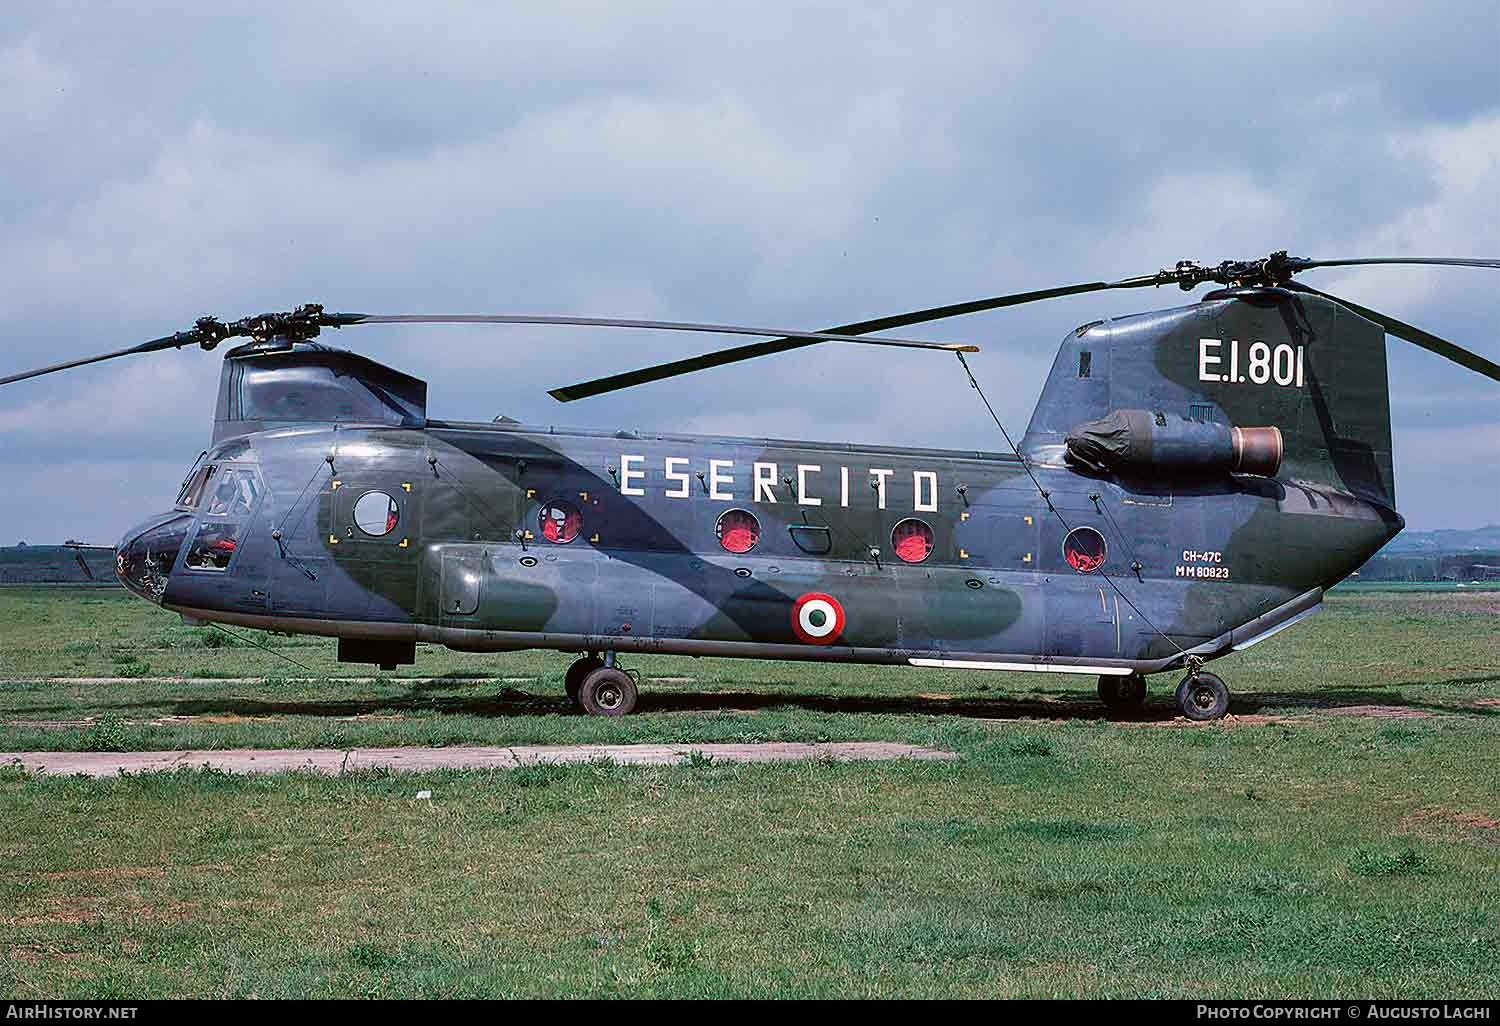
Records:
x=393, y=680
x=292, y=680
x=414, y=760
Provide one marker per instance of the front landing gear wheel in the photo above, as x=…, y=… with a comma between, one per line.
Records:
x=1202, y=696
x=1123, y=694
x=607, y=691
x=579, y=670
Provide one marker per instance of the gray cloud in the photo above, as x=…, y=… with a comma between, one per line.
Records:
x=799, y=165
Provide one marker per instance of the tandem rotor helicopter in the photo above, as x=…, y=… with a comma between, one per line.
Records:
x=1191, y=482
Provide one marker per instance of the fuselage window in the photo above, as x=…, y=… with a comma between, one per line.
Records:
x=560, y=522
x=1085, y=550
x=737, y=530
x=912, y=540
x=376, y=514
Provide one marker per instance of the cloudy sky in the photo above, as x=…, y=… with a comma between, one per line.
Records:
x=787, y=164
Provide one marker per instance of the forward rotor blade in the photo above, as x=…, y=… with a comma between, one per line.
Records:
x=1410, y=333
x=1302, y=265
x=306, y=321
x=796, y=340
x=810, y=337
x=176, y=341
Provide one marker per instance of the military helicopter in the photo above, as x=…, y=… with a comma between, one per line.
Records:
x=1191, y=482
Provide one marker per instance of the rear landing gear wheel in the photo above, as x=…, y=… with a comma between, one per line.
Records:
x=1202, y=696
x=607, y=691
x=580, y=669
x=1123, y=694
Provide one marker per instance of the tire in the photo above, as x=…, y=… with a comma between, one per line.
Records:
x=1202, y=696
x=581, y=668
x=607, y=691
x=1123, y=694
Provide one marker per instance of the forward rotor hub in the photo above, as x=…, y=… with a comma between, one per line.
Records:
x=1276, y=269
x=300, y=325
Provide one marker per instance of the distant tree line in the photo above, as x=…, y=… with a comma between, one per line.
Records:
x=1461, y=566
x=58, y=564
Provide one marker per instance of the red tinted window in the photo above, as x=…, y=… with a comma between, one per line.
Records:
x=560, y=522
x=738, y=530
x=1084, y=549
x=912, y=541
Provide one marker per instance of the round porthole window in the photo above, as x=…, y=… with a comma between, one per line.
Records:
x=1085, y=550
x=376, y=514
x=738, y=530
x=560, y=522
x=912, y=540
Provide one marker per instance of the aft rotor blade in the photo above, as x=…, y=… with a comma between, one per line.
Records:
x=1416, y=336
x=614, y=322
x=166, y=342
x=796, y=340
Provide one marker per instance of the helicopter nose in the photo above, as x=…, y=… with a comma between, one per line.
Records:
x=144, y=557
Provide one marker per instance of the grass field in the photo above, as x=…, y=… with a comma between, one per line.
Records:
x=1337, y=835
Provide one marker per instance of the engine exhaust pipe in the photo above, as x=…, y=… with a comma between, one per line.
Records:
x=1150, y=442
x=1257, y=450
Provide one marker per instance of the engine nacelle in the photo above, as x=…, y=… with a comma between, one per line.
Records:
x=1143, y=442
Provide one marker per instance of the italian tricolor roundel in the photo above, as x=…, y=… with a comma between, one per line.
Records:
x=818, y=619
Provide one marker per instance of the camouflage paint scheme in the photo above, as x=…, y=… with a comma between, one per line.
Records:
x=467, y=565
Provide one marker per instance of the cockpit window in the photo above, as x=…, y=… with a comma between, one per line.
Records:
x=214, y=545
x=226, y=496
x=233, y=493
x=192, y=488
x=212, y=469
x=192, y=475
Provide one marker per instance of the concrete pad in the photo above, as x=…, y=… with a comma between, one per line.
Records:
x=417, y=760
x=390, y=679
x=332, y=679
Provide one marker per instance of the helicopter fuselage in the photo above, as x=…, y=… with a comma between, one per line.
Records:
x=491, y=537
